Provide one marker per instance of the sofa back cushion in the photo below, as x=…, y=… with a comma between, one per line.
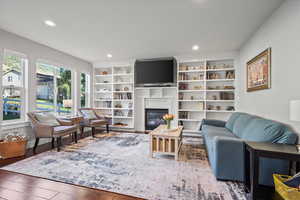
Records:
x=263, y=130
x=47, y=118
x=230, y=122
x=241, y=122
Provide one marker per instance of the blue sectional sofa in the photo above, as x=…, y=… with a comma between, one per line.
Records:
x=224, y=143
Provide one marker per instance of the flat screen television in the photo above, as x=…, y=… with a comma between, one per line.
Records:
x=155, y=72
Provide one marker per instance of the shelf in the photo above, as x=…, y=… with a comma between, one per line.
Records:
x=121, y=66
x=100, y=75
x=219, y=100
x=190, y=71
x=220, y=111
x=125, y=83
x=192, y=100
x=190, y=110
x=123, y=108
x=220, y=80
x=103, y=84
x=100, y=108
x=102, y=99
x=231, y=90
x=220, y=90
x=123, y=74
x=190, y=120
x=123, y=92
x=122, y=117
x=191, y=90
x=190, y=81
x=122, y=99
x=224, y=69
x=103, y=92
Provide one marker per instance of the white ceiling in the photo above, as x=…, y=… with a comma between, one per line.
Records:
x=89, y=29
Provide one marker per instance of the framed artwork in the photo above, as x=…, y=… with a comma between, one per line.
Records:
x=259, y=72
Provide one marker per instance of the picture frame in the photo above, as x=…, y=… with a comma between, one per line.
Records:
x=259, y=72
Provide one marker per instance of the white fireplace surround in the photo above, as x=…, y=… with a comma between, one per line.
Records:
x=144, y=101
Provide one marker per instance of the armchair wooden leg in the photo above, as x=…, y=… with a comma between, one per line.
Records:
x=72, y=137
x=82, y=131
x=93, y=131
x=75, y=136
x=58, y=140
x=52, y=143
x=107, y=128
x=36, y=144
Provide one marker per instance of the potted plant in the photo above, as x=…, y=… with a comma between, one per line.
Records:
x=168, y=118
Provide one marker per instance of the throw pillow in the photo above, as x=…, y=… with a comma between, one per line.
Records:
x=294, y=181
x=89, y=114
x=47, y=118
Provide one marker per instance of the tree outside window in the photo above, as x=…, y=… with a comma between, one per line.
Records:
x=53, y=87
x=84, y=90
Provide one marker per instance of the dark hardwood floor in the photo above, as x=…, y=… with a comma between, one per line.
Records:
x=15, y=186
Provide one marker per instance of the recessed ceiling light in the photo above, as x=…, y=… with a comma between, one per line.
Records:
x=50, y=23
x=195, y=47
x=109, y=55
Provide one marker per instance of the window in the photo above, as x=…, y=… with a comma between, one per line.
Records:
x=9, y=79
x=53, y=88
x=84, y=90
x=13, y=73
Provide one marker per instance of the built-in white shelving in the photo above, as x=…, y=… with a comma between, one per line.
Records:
x=206, y=90
x=114, y=94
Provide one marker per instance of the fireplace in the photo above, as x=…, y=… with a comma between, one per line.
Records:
x=153, y=117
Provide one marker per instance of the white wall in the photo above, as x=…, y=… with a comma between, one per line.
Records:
x=35, y=51
x=281, y=32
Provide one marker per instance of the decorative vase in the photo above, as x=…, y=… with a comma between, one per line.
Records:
x=168, y=124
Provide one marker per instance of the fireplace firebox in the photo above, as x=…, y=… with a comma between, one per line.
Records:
x=154, y=117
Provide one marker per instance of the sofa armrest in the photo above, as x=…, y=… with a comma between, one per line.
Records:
x=229, y=150
x=212, y=122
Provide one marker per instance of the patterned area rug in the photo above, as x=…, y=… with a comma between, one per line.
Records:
x=120, y=162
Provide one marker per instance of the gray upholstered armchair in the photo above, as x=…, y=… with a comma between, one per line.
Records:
x=92, y=120
x=46, y=125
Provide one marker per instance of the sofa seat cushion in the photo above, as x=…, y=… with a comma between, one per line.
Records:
x=210, y=132
x=263, y=130
x=241, y=123
x=59, y=130
x=216, y=131
x=47, y=118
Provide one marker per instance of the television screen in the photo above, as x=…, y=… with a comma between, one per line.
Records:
x=155, y=71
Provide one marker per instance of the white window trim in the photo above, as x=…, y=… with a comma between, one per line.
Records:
x=24, y=101
x=87, y=90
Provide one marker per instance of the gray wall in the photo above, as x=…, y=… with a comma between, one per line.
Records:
x=281, y=33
